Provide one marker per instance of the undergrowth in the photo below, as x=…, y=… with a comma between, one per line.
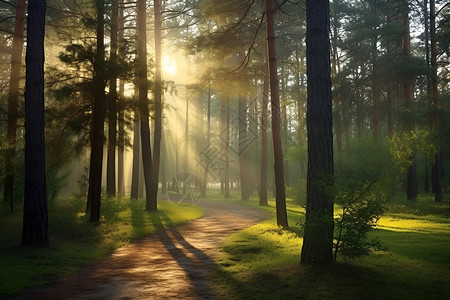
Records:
x=263, y=261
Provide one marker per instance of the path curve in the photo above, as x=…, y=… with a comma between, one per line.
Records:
x=177, y=263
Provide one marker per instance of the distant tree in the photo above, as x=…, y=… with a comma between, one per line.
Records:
x=276, y=119
x=408, y=97
x=135, y=171
x=225, y=124
x=437, y=165
x=319, y=223
x=264, y=143
x=35, y=217
x=243, y=159
x=13, y=102
x=121, y=112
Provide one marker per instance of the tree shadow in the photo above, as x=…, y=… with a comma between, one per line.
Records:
x=198, y=266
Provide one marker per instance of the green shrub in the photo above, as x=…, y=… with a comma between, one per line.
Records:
x=365, y=175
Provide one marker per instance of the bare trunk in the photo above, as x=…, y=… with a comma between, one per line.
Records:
x=264, y=143
x=408, y=97
x=208, y=139
x=276, y=122
x=243, y=163
x=285, y=124
x=98, y=118
x=35, y=217
x=319, y=225
x=152, y=203
x=143, y=98
x=224, y=124
x=112, y=127
x=186, y=144
x=135, y=172
x=437, y=166
x=374, y=79
x=389, y=96
x=120, y=117
x=13, y=102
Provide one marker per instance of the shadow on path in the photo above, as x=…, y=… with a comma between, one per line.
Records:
x=196, y=264
x=175, y=263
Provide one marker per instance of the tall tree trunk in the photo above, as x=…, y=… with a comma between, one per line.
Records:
x=280, y=198
x=374, y=57
x=358, y=106
x=428, y=80
x=13, y=102
x=186, y=145
x=143, y=99
x=264, y=143
x=300, y=111
x=389, y=97
x=319, y=224
x=35, y=217
x=224, y=124
x=437, y=166
x=135, y=172
x=208, y=139
x=337, y=120
x=243, y=164
x=120, y=115
x=284, y=123
x=408, y=96
x=98, y=118
x=112, y=127
x=152, y=203
x=163, y=162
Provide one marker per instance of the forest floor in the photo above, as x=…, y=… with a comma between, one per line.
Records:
x=177, y=263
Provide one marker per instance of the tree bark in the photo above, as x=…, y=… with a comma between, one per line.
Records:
x=285, y=124
x=208, y=139
x=264, y=142
x=319, y=224
x=374, y=57
x=224, y=124
x=280, y=197
x=143, y=100
x=389, y=97
x=98, y=118
x=243, y=163
x=120, y=115
x=13, y=102
x=112, y=127
x=186, y=144
x=135, y=172
x=35, y=217
x=152, y=203
x=437, y=166
x=408, y=97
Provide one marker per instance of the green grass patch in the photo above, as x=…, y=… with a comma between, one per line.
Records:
x=263, y=261
x=75, y=242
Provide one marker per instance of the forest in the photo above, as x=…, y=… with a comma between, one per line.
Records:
x=238, y=149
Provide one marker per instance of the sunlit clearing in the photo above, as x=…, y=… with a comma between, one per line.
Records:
x=412, y=225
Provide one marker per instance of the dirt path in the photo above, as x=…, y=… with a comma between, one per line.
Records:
x=177, y=263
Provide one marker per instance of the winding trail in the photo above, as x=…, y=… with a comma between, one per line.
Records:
x=177, y=263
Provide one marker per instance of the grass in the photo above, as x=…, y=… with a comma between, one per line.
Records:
x=263, y=261
x=74, y=242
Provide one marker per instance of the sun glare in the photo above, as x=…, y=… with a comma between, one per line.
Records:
x=169, y=65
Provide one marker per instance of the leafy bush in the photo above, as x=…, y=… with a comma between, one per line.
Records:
x=365, y=175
